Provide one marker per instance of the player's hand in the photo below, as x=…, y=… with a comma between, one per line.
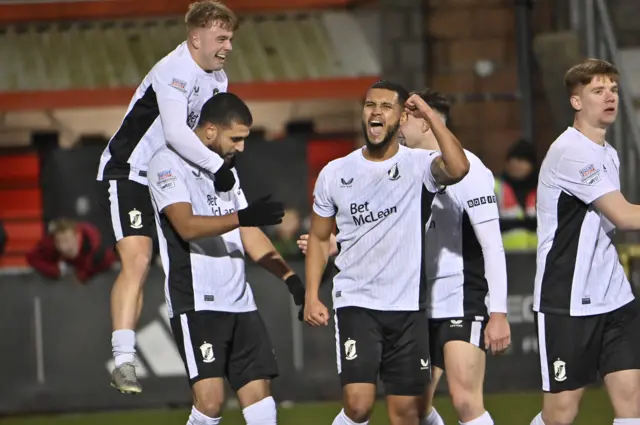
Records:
x=224, y=180
x=497, y=335
x=263, y=212
x=303, y=242
x=315, y=313
x=417, y=107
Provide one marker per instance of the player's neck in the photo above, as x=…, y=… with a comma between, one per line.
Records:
x=595, y=134
x=429, y=143
x=194, y=56
x=381, y=153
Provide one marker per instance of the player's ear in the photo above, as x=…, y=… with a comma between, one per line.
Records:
x=425, y=125
x=576, y=102
x=194, y=38
x=211, y=133
x=404, y=117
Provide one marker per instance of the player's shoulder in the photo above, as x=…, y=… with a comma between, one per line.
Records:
x=177, y=64
x=165, y=158
x=479, y=177
x=343, y=162
x=571, y=145
x=476, y=166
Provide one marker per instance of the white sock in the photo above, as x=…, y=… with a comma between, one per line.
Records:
x=629, y=421
x=343, y=419
x=537, y=420
x=433, y=418
x=123, y=343
x=198, y=418
x=484, y=419
x=261, y=413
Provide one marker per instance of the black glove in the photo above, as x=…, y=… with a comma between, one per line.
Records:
x=262, y=212
x=224, y=179
x=296, y=288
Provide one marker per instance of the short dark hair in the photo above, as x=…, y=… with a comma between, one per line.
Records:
x=582, y=74
x=436, y=100
x=225, y=109
x=403, y=94
x=204, y=13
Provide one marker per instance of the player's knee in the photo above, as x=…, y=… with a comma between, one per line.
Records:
x=560, y=413
x=358, y=407
x=135, y=262
x=467, y=403
x=626, y=401
x=404, y=409
x=210, y=406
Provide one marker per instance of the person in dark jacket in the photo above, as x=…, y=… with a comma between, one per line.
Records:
x=70, y=244
x=3, y=238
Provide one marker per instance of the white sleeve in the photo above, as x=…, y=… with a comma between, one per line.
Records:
x=167, y=184
x=476, y=193
x=582, y=176
x=172, y=90
x=424, y=160
x=322, y=203
x=240, y=200
x=495, y=263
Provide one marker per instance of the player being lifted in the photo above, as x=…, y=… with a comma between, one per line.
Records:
x=466, y=268
x=379, y=197
x=586, y=313
x=163, y=110
x=204, y=236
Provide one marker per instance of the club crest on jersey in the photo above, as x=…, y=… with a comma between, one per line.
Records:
x=394, y=173
x=179, y=85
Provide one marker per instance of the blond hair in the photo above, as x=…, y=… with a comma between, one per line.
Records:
x=61, y=225
x=582, y=74
x=204, y=13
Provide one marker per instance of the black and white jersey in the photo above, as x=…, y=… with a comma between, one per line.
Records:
x=381, y=209
x=176, y=77
x=455, y=263
x=207, y=273
x=578, y=269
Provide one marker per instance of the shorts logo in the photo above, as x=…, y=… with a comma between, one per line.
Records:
x=394, y=173
x=207, y=352
x=135, y=218
x=559, y=370
x=424, y=364
x=350, y=349
x=456, y=324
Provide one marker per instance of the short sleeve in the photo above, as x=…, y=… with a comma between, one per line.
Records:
x=322, y=203
x=476, y=194
x=583, y=177
x=240, y=199
x=423, y=159
x=167, y=184
x=171, y=82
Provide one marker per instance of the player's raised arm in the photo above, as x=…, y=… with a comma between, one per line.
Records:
x=171, y=93
x=452, y=165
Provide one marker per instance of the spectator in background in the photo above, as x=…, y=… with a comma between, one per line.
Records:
x=71, y=245
x=286, y=234
x=3, y=238
x=516, y=196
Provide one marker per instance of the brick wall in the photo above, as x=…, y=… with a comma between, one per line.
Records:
x=461, y=32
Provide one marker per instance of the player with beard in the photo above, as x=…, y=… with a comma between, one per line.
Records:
x=379, y=198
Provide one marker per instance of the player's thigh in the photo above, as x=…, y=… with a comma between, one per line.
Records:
x=465, y=356
x=405, y=368
x=620, y=359
x=127, y=205
x=569, y=349
x=252, y=359
x=203, y=339
x=358, y=346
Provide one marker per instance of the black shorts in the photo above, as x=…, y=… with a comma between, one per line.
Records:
x=574, y=349
x=442, y=331
x=216, y=344
x=128, y=207
x=391, y=344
